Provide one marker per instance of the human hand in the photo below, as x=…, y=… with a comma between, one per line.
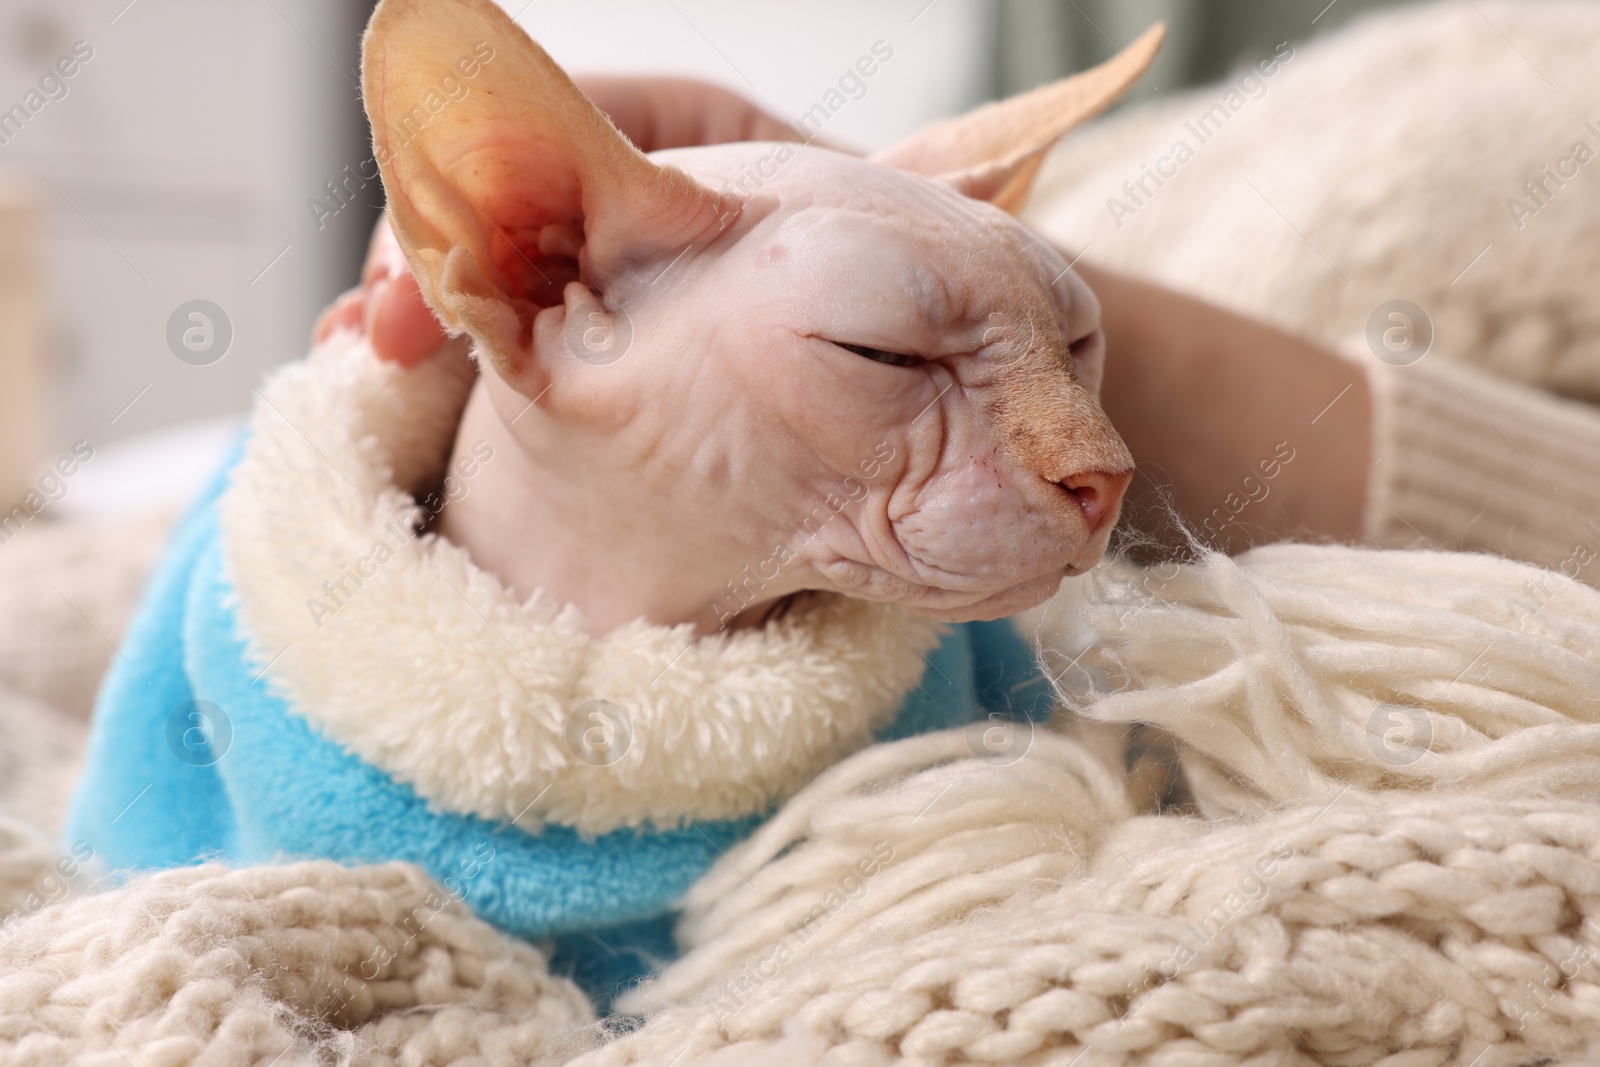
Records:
x=387, y=306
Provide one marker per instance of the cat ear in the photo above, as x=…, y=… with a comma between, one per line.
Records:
x=504, y=183
x=994, y=152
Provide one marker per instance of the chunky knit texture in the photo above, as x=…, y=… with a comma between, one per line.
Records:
x=305, y=965
x=70, y=589
x=1400, y=858
x=41, y=749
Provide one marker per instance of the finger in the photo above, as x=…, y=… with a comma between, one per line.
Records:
x=399, y=324
x=384, y=257
x=671, y=112
x=347, y=312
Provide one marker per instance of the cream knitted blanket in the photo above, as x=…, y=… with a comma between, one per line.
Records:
x=1381, y=843
x=1396, y=853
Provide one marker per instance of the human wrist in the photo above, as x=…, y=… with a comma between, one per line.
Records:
x=1210, y=403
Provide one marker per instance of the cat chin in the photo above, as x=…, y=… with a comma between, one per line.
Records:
x=1007, y=602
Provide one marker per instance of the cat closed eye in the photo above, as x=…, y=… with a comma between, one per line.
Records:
x=878, y=355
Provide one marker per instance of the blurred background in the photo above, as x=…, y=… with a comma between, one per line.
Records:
x=180, y=190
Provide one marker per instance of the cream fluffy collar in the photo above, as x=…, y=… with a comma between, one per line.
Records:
x=426, y=666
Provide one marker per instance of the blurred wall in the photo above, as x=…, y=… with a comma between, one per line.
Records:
x=788, y=55
x=1041, y=40
x=173, y=163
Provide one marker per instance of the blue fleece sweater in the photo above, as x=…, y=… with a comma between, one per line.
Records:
x=192, y=758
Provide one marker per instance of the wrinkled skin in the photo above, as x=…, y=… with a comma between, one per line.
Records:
x=733, y=428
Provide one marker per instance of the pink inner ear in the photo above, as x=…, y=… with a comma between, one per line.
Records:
x=521, y=190
x=517, y=188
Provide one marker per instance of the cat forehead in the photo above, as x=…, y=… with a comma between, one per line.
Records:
x=794, y=176
x=955, y=248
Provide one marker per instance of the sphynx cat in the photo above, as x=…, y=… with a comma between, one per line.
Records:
x=685, y=355
x=761, y=443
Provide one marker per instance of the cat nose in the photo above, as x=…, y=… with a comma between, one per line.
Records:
x=1099, y=495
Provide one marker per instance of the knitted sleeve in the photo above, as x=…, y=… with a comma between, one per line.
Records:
x=1466, y=460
